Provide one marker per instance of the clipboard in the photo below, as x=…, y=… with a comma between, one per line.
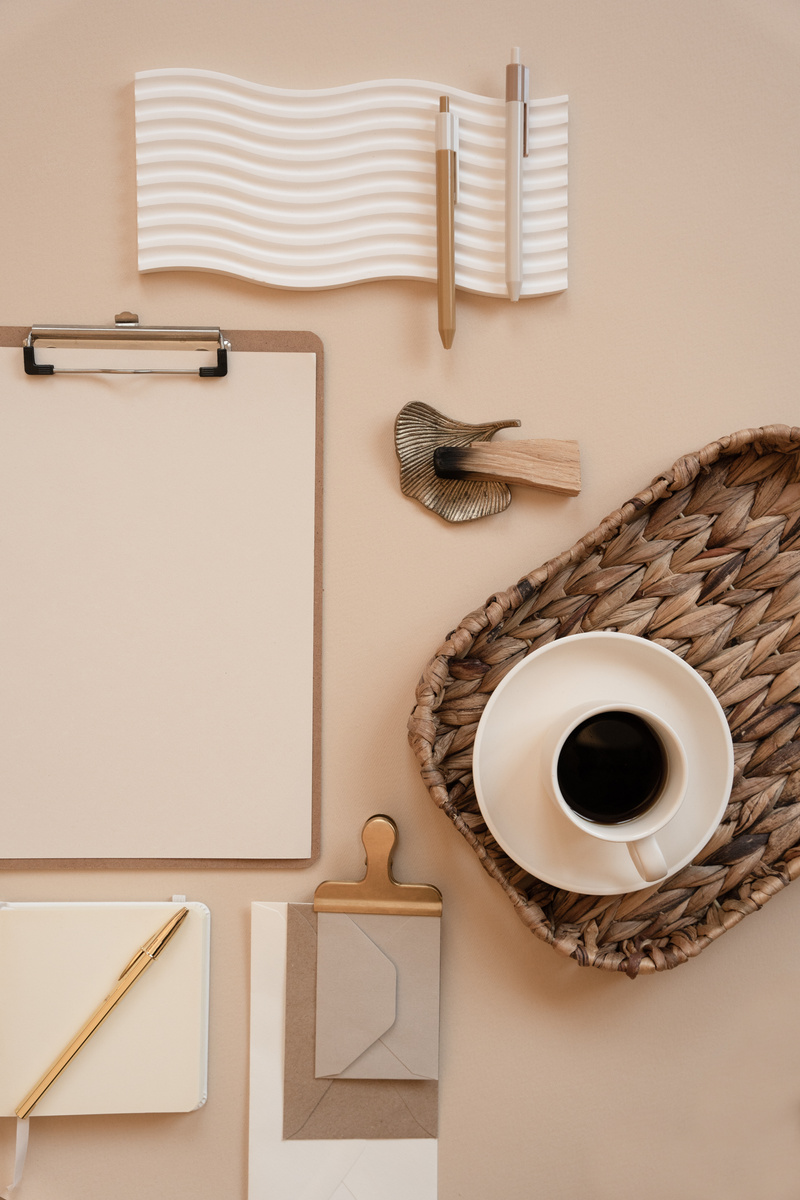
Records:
x=160, y=713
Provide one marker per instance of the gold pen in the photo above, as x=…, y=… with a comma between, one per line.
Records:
x=141, y=960
x=446, y=188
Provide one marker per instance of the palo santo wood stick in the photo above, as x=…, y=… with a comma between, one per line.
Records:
x=542, y=463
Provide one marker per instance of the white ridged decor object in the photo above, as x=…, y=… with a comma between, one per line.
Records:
x=321, y=189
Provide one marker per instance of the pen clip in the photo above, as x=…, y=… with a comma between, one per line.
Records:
x=525, y=129
x=154, y=945
x=457, y=170
x=135, y=959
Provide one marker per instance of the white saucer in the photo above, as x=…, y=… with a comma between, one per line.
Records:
x=595, y=668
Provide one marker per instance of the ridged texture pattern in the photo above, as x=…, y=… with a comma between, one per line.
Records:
x=419, y=430
x=319, y=189
x=705, y=561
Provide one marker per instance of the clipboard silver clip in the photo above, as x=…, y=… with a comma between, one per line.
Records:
x=125, y=332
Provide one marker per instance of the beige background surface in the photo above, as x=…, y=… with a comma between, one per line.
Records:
x=680, y=324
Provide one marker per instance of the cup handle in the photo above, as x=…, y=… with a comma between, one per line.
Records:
x=648, y=859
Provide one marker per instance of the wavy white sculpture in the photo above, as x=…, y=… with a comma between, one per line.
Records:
x=321, y=189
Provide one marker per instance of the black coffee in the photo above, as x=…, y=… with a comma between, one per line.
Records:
x=611, y=768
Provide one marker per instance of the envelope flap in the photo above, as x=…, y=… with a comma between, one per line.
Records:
x=356, y=993
x=413, y=944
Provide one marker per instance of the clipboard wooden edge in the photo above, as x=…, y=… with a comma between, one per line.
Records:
x=257, y=341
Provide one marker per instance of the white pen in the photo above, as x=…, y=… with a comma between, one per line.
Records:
x=516, y=150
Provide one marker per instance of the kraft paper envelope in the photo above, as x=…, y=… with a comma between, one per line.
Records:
x=374, y=1169
x=341, y=1107
x=377, y=997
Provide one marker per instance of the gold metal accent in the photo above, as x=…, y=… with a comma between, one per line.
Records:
x=141, y=960
x=379, y=892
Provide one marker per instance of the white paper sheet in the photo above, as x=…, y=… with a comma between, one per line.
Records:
x=157, y=610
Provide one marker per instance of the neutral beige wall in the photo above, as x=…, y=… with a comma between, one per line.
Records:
x=680, y=324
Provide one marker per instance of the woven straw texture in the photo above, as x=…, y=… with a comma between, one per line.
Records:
x=706, y=562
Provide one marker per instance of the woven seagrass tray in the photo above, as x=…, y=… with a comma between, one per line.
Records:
x=706, y=562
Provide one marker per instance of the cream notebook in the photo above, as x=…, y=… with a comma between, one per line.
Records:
x=59, y=962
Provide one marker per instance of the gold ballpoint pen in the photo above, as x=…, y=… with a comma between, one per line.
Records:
x=446, y=187
x=141, y=960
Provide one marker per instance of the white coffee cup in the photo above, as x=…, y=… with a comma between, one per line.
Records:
x=657, y=808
